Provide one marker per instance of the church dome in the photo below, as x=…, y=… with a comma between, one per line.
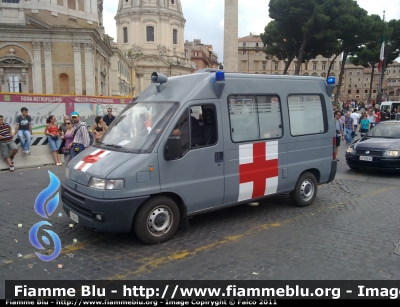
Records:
x=171, y=5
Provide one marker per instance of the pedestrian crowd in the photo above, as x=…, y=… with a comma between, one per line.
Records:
x=68, y=139
x=357, y=118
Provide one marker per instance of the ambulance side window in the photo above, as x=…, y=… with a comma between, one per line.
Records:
x=255, y=117
x=196, y=128
x=306, y=115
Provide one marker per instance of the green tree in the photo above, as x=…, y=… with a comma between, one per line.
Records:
x=294, y=19
x=392, y=47
x=356, y=29
x=278, y=46
x=367, y=56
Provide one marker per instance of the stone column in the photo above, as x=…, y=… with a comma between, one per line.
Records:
x=231, y=36
x=89, y=69
x=48, y=68
x=99, y=92
x=77, y=68
x=87, y=6
x=37, y=64
x=94, y=10
x=108, y=66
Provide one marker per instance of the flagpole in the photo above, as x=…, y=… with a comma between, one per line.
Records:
x=381, y=65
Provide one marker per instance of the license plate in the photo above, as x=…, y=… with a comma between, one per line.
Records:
x=365, y=158
x=73, y=217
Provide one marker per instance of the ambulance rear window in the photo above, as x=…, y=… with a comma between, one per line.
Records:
x=255, y=117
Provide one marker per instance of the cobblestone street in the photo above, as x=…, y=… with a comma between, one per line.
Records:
x=350, y=232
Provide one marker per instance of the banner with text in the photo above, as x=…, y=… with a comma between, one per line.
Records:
x=40, y=107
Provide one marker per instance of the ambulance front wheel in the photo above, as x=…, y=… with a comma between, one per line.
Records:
x=305, y=191
x=156, y=220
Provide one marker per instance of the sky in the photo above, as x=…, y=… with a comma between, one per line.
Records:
x=205, y=18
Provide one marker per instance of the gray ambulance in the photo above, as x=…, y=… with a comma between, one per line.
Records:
x=201, y=142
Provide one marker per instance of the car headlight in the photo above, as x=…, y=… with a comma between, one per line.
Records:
x=106, y=184
x=349, y=150
x=391, y=153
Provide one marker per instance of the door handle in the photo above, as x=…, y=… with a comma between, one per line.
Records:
x=219, y=157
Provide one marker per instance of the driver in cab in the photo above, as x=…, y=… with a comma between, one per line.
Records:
x=182, y=130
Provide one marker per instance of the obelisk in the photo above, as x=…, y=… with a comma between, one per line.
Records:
x=231, y=36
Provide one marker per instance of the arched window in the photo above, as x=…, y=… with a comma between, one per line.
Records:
x=150, y=34
x=64, y=84
x=175, y=37
x=125, y=30
x=13, y=73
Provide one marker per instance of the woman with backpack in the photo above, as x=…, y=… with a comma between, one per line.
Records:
x=68, y=136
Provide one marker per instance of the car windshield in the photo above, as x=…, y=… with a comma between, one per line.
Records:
x=386, y=130
x=138, y=127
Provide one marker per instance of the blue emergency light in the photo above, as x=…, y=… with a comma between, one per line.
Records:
x=219, y=76
x=331, y=80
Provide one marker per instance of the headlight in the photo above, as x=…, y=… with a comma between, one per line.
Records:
x=391, y=153
x=115, y=184
x=349, y=150
x=106, y=184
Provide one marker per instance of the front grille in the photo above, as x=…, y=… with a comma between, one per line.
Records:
x=375, y=153
x=382, y=164
x=75, y=202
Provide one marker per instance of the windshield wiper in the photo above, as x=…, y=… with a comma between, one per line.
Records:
x=115, y=146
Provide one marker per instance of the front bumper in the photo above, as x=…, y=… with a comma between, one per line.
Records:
x=117, y=214
x=378, y=162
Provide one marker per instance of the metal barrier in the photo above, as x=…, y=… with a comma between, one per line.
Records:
x=41, y=154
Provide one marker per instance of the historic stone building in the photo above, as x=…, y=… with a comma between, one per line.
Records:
x=202, y=55
x=356, y=83
x=252, y=59
x=391, y=83
x=151, y=34
x=54, y=47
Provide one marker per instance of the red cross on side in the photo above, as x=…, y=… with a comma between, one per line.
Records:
x=90, y=159
x=258, y=171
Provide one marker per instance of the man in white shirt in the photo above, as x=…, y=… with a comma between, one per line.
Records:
x=356, y=118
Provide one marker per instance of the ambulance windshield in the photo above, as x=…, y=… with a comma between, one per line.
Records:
x=138, y=127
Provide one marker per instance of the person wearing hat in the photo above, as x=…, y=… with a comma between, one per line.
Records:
x=81, y=135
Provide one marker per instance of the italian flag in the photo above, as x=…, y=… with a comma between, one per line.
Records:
x=381, y=56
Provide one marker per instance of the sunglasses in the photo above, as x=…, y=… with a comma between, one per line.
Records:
x=68, y=123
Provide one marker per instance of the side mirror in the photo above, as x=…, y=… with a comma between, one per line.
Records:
x=174, y=147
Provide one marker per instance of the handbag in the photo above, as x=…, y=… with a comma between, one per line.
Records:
x=66, y=151
x=62, y=145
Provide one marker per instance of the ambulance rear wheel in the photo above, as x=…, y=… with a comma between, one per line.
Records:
x=305, y=191
x=156, y=220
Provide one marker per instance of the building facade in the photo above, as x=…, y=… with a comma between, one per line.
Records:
x=202, y=55
x=356, y=83
x=253, y=60
x=151, y=34
x=391, y=87
x=122, y=73
x=54, y=47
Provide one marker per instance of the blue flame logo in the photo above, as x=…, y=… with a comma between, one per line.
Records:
x=41, y=207
x=35, y=241
x=45, y=194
